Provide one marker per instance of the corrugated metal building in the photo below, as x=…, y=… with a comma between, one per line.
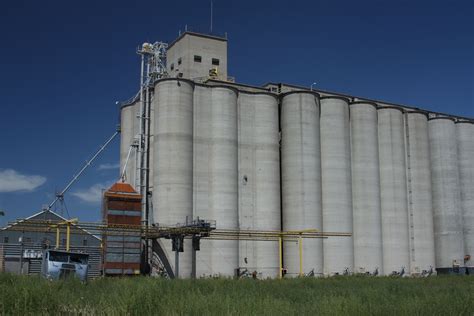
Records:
x=21, y=251
x=122, y=251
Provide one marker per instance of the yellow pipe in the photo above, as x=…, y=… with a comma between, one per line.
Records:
x=280, y=274
x=68, y=232
x=300, y=244
x=57, y=237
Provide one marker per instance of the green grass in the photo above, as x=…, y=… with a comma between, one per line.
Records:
x=20, y=295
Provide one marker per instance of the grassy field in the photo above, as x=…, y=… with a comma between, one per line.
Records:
x=147, y=296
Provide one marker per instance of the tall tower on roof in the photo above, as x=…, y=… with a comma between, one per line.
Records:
x=197, y=56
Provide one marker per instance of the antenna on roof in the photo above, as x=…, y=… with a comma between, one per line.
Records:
x=211, y=16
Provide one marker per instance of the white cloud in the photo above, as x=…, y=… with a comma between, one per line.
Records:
x=108, y=166
x=92, y=194
x=11, y=181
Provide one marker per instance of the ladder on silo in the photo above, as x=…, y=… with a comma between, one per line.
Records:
x=411, y=232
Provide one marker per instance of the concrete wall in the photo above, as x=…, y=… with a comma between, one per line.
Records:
x=189, y=45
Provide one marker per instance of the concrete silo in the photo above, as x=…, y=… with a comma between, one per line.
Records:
x=301, y=178
x=420, y=212
x=367, y=225
x=173, y=160
x=465, y=142
x=447, y=214
x=128, y=121
x=279, y=157
x=259, y=180
x=336, y=184
x=393, y=190
x=221, y=164
x=201, y=150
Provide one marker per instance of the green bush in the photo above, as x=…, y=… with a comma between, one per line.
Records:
x=442, y=295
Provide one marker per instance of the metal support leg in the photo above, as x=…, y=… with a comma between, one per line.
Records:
x=176, y=264
x=300, y=244
x=193, y=264
x=57, y=237
x=68, y=235
x=280, y=271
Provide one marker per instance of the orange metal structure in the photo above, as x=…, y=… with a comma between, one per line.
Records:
x=122, y=206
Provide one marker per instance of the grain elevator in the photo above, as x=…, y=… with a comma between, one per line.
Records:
x=285, y=157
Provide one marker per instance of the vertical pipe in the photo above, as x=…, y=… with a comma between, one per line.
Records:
x=176, y=264
x=146, y=191
x=280, y=253
x=193, y=264
x=141, y=128
x=21, y=253
x=300, y=249
x=57, y=237
x=68, y=235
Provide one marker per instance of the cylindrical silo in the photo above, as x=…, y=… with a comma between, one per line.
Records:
x=465, y=143
x=393, y=190
x=301, y=178
x=127, y=136
x=420, y=211
x=220, y=257
x=202, y=141
x=447, y=212
x=259, y=180
x=367, y=224
x=336, y=184
x=173, y=161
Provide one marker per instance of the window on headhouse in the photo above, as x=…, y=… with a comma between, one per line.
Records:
x=84, y=242
x=64, y=242
x=215, y=61
x=5, y=240
x=179, y=61
x=172, y=67
x=197, y=58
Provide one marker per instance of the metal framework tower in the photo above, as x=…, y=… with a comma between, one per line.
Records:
x=153, y=67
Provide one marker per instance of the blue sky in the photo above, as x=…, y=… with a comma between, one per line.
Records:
x=63, y=64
